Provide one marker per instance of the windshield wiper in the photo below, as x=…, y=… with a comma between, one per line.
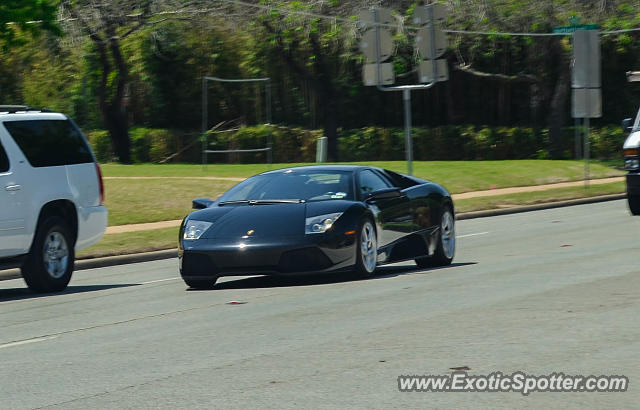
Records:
x=242, y=201
x=263, y=201
x=275, y=201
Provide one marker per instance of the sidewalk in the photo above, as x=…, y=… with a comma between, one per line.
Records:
x=465, y=195
x=533, y=188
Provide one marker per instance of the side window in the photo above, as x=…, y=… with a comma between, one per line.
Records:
x=4, y=160
x=400, y=181
x=49, y=143
x=369, y=182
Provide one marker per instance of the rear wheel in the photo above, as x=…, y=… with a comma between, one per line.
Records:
x=634, y=204
x=201, y=283
x=367, y=249
x=49, y=265
x=446, y=248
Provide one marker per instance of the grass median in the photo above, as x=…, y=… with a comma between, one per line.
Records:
x=135, y=201
x=457, y=176
x=132, y=201
x=167, y=238
x=531, y=198
x=133, y=242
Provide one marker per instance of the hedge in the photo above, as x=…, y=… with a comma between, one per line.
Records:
x=452, y=142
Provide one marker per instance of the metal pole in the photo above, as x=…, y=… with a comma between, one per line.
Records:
x=267, y=97
x=586, y=153
x=577, y=135
x=204, y=123
x=406, y=96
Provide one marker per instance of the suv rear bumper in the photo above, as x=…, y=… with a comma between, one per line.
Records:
x=92, y=223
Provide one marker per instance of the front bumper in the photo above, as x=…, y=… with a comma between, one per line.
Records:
x=262, y=256
x=633, y=184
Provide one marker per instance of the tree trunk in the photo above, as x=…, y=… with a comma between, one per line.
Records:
x=329, y=97
x=116, y=122
x=331, y=130
x=113, y=115
x=557, y=114
x=119, y=127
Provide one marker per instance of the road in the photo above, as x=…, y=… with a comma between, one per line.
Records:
x=539, y=292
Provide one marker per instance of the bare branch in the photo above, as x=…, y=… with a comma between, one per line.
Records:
x=520, y=78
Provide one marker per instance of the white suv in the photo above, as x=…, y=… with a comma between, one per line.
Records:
x=51, y=196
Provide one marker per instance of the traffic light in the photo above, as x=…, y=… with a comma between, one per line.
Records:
x=431, y=42
x=377, y=46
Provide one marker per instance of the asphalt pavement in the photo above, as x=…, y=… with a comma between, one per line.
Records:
x=539, y=292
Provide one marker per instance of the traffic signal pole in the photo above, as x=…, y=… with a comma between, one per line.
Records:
x=406, y=89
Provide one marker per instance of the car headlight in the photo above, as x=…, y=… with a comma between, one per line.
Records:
x=194, y=229
x=321, y=223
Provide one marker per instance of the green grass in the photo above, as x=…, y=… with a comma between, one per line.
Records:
x=133, y=201
x=140, y=201
x=529, y=198
x=456, y=176
x=133, y=242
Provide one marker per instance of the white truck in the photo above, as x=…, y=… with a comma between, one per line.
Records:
x=631, y=149
x=51, y=196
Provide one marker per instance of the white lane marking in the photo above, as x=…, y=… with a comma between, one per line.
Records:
x=159, y=280
x=471, y=234
x=25, y=342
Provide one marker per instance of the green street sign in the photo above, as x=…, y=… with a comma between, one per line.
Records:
x=573, y=29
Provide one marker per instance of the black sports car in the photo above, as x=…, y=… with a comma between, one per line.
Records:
x=317, y=219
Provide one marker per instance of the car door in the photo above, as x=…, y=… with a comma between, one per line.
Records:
x=12, y=211
x=394, y=217
x=422, y=202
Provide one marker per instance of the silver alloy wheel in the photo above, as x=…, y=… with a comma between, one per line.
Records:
x=448, y=234
x=56, y=255
x=368, y=247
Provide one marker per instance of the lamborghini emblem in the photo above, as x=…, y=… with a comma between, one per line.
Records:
x=250, y=232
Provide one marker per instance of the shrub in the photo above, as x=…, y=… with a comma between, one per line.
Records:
x=450, y=142
x=151, y=144
x=101, y=145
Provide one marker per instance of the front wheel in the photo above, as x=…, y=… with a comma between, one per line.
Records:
x=446, y=248
x=200, y=283
x=49, y=265
x=634, y=204
x=366, y=250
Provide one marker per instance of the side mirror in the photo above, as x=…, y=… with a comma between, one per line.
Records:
x=201, y=203
x=627, y=124
x=386, y=193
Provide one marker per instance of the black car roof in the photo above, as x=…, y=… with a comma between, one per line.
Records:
x=332, y=167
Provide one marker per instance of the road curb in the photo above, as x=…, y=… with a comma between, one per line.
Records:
x=538, y=207
x=92, y=263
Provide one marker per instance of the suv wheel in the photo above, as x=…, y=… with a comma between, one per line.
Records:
x=49, y=265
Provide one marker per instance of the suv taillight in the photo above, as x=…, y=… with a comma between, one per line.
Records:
x=99, y=172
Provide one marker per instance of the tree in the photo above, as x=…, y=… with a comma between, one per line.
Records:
x=107, y=23
x=314, y=50
x=29, y=16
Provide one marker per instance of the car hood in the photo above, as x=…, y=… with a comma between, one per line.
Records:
x=273, y=220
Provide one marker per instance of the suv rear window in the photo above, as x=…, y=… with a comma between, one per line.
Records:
x=50, y=143
x=4, y=160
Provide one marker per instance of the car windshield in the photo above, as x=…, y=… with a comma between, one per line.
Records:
x=292, y=184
